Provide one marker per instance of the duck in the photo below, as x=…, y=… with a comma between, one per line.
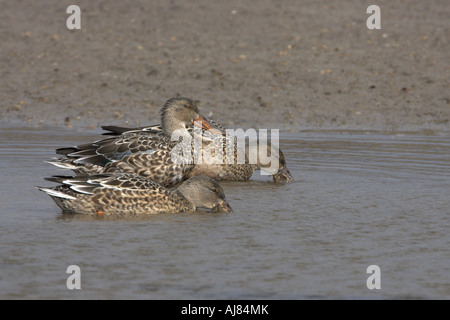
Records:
x=130, y=194
x=146, y=152
x=242, y=170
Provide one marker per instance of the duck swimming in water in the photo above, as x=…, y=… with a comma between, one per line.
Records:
x=130, y=194
x=242, y=170
x=146, y=152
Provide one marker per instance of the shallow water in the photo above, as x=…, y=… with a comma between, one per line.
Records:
x=359, y=199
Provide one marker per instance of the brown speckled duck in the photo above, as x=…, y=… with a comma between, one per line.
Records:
x=241, y=170
x=130, y=194
x=146, y=152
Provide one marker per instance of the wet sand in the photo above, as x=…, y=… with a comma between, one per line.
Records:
x=294, y=65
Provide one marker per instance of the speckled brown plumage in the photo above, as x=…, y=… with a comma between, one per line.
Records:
x=147, y=151
x=236, y=169
x=130, y=194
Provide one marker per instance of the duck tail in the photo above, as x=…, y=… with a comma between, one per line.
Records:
x=56, y=193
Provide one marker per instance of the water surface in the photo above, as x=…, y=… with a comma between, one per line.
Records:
x=359, y=199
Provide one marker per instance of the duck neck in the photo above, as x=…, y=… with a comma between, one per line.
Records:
x=184, y=202
x=170, y=124
x=252, y=155
x=264, y=159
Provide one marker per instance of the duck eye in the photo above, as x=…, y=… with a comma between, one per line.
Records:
x=214, y=190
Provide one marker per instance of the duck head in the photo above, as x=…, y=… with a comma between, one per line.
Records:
x=178, y=112
x=283, y=175
x=274, y=163
x=204, y=192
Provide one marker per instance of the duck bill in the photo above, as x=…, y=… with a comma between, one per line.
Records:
x=203, y=123
x=224, y=207
x=283, y=175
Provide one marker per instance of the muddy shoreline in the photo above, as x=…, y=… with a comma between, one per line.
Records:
x=293, y=65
